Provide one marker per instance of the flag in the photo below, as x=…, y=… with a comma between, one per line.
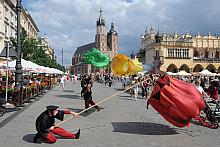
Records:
x=96, y=58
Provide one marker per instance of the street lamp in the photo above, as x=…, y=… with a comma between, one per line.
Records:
x=18, y=67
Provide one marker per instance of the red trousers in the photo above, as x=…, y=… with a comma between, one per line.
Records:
x=58, y=131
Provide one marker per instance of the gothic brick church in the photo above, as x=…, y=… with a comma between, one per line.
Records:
x=107, y=43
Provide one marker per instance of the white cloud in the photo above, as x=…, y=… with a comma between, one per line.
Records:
x=72, y=23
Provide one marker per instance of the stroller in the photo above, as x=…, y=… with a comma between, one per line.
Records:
x=212, y=114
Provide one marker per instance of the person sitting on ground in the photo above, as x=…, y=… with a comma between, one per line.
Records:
x=45, y=125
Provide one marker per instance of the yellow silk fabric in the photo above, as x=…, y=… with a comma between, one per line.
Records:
x=122, y=65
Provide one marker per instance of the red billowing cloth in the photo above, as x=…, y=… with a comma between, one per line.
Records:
x=177, y=101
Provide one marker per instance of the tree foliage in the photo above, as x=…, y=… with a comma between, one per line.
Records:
x=33, y=50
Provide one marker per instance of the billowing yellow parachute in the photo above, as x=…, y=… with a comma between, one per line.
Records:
x=138, y=66
x=122, y=65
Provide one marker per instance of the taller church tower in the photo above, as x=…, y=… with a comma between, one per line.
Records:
x=100, y=37
x=112, y=39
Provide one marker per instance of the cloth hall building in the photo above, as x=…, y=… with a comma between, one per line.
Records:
x=174, y=52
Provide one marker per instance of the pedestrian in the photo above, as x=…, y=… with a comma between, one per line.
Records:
x=110, y=81
x=213, y=90
x=135, y=88
x=106, y=79
x=62, y=83
x=75, y=79
x=123, y=80
x=45, y=125
x=88, y=97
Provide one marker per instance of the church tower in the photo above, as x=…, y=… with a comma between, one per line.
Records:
x=112, y=39
x=100, y=37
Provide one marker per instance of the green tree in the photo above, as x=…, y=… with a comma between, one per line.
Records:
x=33, y=50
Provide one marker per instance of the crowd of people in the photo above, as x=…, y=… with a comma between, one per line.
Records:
x=139, y=86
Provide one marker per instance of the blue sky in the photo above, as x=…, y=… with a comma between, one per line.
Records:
x=72, y=23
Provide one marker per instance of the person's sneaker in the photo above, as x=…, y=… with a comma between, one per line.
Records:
x=98, y=109
x=77, y=134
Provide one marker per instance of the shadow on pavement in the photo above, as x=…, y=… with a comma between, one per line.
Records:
x=29, y=138
x=84, y=114
x=119, y=89
x=69, y=96
x=68, y=90
x=55, y=90
x=125, y=98
x=75, y=109
x=196, y=123
x=143, y=128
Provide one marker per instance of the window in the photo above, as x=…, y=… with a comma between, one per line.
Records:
x=185, y=53
x=178, y=53
x=6, y=9
x=157, y=53
x=6, y=29
x=170, y=52
x=11, y=34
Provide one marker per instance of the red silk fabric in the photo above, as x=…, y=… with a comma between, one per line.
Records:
x=177, y=101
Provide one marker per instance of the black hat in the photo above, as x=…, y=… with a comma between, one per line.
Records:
x=52, y=107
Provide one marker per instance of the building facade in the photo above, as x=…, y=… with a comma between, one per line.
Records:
x=106, y=43
x=28, y=24
x=8, y=22
x=172, y=52
x=48, y=49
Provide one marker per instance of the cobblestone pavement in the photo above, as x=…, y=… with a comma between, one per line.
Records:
x=122, y=122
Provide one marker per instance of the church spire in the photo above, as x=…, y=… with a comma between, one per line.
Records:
x=146, y=31
x=112, y=27
x=101, y=20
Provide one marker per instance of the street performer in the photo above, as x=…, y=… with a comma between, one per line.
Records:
x=88, y=95
x=45, y=125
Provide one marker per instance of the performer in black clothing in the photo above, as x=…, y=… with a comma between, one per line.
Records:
x=45, y=125
x=83, y=84
x=88, y=97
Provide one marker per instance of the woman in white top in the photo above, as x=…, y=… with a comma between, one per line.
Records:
x=201, y=90
x=134, y=90
x=62, y=82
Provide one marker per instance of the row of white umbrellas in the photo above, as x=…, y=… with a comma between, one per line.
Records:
x=204, y=72
x=31, y=67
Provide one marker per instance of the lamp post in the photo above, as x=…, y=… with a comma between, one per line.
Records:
x=18, y=73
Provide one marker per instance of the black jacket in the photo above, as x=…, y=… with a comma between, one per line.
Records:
x=45, y=121
x=83, y=83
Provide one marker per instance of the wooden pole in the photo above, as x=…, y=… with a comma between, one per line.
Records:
x=99, y=103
